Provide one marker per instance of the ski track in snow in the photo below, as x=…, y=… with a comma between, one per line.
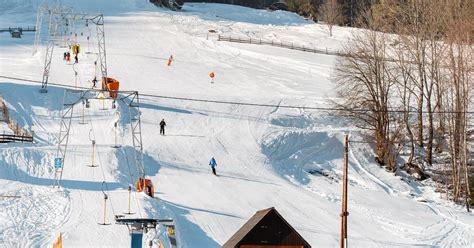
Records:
x=32, y=219
x=379, y=182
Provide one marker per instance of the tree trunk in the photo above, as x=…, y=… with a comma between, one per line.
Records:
x=420, y=117
x=429, y=146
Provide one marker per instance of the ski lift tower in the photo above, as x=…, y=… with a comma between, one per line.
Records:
x=75, y=96
x=59, y=18
x=137, y=227
x=52, y=29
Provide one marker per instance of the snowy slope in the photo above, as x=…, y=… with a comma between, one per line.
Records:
x=264, y=154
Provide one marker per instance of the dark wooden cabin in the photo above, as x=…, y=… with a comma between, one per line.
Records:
x=266, y=229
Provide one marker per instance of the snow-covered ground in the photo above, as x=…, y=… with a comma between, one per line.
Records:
x=267, y=156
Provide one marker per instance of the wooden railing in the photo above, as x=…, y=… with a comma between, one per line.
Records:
x=288, y=45
x=8, y=138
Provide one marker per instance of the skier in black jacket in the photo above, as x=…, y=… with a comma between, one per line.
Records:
x=162, y=127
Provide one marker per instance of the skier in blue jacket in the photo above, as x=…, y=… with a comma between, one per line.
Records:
x=213, y=165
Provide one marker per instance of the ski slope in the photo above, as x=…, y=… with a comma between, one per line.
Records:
x=267, y=156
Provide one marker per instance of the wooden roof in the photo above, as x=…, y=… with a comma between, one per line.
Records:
x=252, y=225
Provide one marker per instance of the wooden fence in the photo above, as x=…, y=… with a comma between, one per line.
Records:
x=297, y=47
x=8, y=138
x=12, y=124
x=282, y=44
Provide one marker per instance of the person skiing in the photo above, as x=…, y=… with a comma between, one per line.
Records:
x=94, y=82
x=162, y=127
x=170, y=60
x=64, y=55
x=213, y=165
x=68, y=56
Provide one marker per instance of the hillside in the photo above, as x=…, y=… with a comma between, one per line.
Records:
x=267, y=155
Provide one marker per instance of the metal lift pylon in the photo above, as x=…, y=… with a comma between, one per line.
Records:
x=58, y=19
x=130, y=98
x=52, y=29
x=137, y=227
x=38, y=27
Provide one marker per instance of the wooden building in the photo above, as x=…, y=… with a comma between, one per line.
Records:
x=266, y=229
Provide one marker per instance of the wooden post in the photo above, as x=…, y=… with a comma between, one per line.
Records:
x=93, y=151
x=129, y=196
x=344, y=212
x=105, y=208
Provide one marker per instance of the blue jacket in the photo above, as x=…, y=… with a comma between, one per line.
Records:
x=213, y=163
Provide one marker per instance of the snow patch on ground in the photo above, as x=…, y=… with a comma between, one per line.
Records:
x=31, y=216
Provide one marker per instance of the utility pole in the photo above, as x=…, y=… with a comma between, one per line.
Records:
x=344, y=212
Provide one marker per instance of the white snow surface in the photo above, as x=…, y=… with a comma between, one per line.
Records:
x=267, y=156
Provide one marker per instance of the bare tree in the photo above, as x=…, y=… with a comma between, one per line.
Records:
x=332, y=14
x=429, y=65
x=459, y=64
x=365, y=82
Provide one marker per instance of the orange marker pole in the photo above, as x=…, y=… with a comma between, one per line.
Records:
x=212, y=77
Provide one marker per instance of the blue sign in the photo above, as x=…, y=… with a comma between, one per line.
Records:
x=58, y=163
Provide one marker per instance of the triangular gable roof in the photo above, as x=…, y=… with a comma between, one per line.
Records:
x=251, y=223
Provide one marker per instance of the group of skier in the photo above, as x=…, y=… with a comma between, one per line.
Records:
x=212, y=162
x=67, y=56
x=75, y=50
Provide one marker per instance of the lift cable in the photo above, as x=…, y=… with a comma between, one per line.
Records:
x=325, y=109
